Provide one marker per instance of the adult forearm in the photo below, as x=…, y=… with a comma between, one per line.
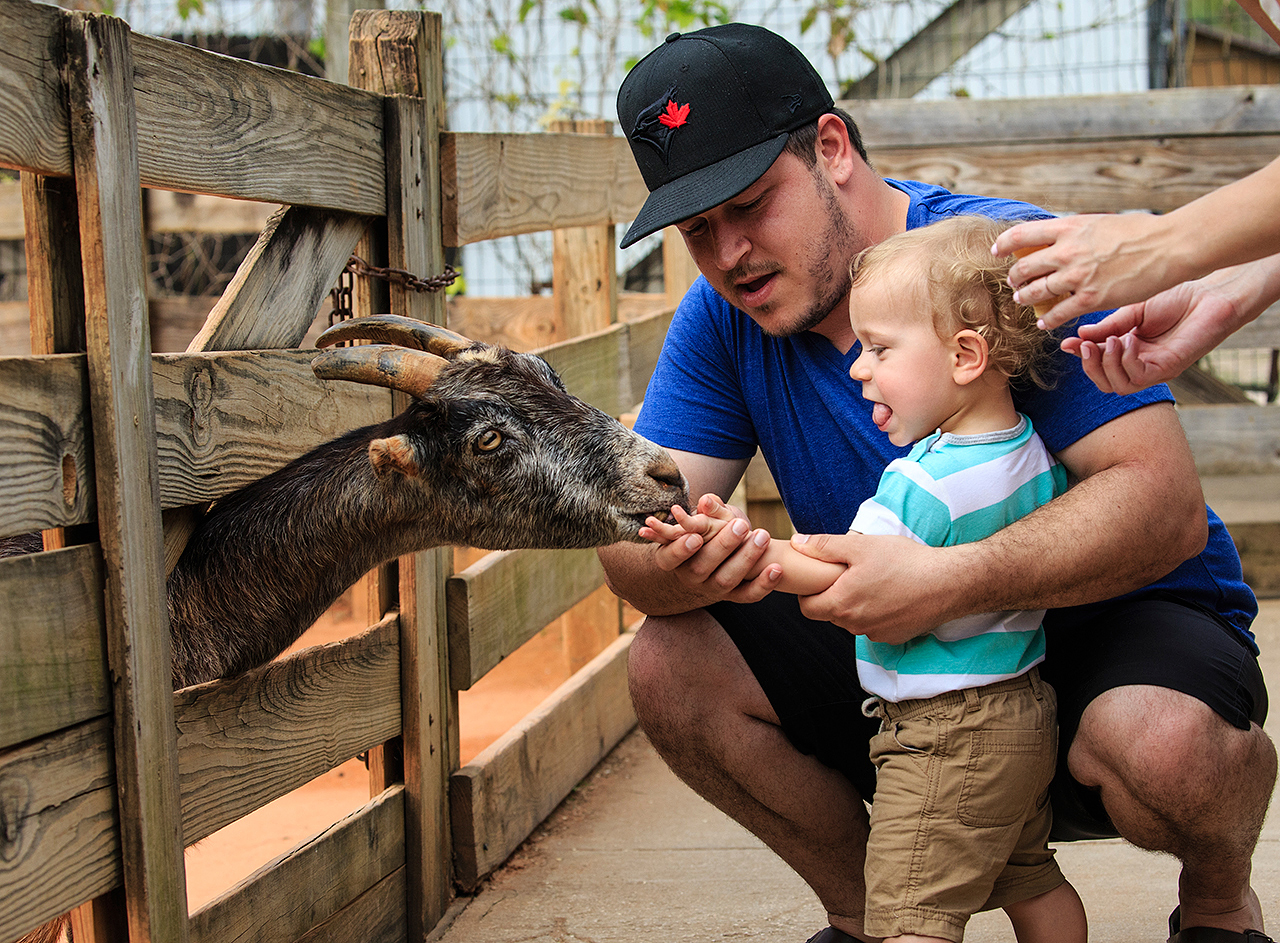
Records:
x=631, y=573
x=1235, y=224
x=1093, y=543
x=1135, y=513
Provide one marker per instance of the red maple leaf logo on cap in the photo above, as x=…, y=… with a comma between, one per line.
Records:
x=675, y=116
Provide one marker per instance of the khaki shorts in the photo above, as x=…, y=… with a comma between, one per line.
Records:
x=960, y=821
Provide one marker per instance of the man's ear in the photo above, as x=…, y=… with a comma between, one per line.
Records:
x=834, y=148
x=969, y=354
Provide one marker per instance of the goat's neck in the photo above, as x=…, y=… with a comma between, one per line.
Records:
x=270, y=559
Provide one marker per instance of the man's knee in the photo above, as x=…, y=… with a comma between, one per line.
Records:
x=1159, y=745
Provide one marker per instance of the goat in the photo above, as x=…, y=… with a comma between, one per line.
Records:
x=492, y=452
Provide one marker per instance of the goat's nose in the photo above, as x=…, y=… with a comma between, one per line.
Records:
x=665, y=470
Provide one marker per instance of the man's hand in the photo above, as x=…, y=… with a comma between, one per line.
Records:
x=889, y=591
x=712, y=551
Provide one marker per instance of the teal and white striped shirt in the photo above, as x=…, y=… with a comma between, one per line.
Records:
x=955, y=489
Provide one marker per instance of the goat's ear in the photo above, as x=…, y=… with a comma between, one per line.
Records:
x=394, y=454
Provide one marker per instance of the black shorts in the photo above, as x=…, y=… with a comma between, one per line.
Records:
x=809, y=672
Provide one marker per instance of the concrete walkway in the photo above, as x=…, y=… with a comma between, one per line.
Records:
x=633, y=855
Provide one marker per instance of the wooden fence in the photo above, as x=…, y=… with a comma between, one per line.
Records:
x=104, y=773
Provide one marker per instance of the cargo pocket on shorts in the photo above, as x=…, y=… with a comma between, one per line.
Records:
x=1004, y=777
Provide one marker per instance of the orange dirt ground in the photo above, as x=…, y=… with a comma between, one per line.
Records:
x=486, y=711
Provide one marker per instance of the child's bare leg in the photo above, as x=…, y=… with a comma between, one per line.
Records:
x=1056, y=916
x=914, y=938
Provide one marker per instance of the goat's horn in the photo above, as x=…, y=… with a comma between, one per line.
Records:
x=398, y=368
x=393, y=329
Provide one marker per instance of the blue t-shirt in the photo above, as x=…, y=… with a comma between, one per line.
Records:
x=723, y=388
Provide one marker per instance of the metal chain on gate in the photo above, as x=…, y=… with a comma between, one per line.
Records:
x=342, y=292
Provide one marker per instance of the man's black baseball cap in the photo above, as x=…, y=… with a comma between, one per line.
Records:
x=707, y=113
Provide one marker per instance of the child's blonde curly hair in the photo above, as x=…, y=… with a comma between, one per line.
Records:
x=967, y=287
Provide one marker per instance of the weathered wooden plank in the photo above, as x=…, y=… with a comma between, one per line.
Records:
x=250, y=739
x=15, y=329
x=504, y=184
x=11, y=226
x=53, y=661
x=214, y=124
x=376, y=916
x=502, y=795
x=1263, y=332
x=55, y=287
x=1086, y=177
x=206, y=123
x=645, y=337
x=1233, y=440
x=222, y=421
x=33, y=117
x=274, y=295
x=1181, y=112
x=100, y=68
x=593, y=368
x=410, y=62
x=502, y=601
x=225, y=420
x=59, y=840
x=522, y=323
x=1156, y=175
x=312, y=882
x=46, y=464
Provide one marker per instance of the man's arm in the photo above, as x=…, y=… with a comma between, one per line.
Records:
x=691, y=573
x=1135, y=513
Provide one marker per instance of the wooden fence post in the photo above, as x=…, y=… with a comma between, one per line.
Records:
x=584, y=288
x=105, y=158
x=401, y=55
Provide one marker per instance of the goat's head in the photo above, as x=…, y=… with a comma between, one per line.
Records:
x=496, y=445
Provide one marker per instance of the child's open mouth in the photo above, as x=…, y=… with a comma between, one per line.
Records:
x=880, y=415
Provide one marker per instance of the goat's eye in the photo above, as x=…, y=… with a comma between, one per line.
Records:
x=488, y=440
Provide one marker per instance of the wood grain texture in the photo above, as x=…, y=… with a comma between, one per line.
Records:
x=312, y=882
x=53, y=663
x=59, y=841
x=376, y=916
x=222, y=421
x=1182, y=112
x=1233, y=440
x=273, y=298
x=33, y=120
x=213, y=124
x=505, y=184
x=104, y=131
x=250, y=739
x=1085, y=177
x=593, y=368
x=46, y=465
x=225, y=420
x=401, y=55
x=501, y=796
x=502, y=601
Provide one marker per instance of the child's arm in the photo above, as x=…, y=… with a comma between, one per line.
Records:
x=801, y=575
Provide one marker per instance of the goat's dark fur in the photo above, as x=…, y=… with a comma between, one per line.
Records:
x=269, y=559
x=494, y=454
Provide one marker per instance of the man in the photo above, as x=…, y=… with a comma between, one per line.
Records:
x=752, y=698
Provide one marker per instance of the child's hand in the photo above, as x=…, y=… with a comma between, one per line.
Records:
x=711, y=515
